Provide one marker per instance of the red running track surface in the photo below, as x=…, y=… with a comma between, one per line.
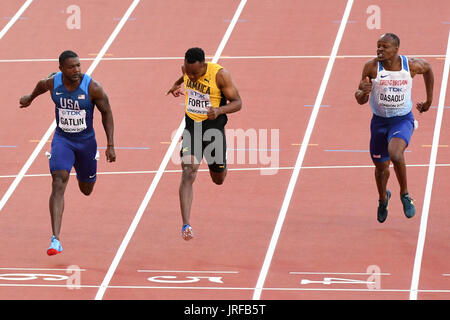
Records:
x=330, y=245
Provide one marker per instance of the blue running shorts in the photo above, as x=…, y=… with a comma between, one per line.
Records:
x=384, y=129
x=79, y=154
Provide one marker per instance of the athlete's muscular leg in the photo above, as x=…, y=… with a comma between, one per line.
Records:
x=381, y=177
x=189, y=172
x=218, y=177
x=396, y=150
x=86, y=187
x=60, y=179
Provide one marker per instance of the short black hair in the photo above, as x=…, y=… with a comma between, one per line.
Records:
x=66, y=55
x=194, y=54
x=393, y=37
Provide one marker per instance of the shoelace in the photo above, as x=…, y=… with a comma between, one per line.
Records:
x=407, y=197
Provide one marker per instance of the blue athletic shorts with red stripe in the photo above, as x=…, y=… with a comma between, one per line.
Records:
x=384, y=129
x=80, y=154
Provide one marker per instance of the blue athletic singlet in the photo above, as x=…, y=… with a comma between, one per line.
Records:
x=391, y=91
x=74, y=143
x=73, y=110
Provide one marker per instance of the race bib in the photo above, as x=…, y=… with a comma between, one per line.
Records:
x=392, y=99
x=72, y=121
x=197, y=102
x=392, y=93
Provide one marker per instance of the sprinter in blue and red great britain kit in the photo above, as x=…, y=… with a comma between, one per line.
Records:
x=387, y=80
x=74, y=145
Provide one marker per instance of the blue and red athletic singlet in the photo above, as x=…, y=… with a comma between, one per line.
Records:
x=73, y=110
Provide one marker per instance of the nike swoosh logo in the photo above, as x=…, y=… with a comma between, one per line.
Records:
x=384, y=76
x=93, y=176
x=58, y=93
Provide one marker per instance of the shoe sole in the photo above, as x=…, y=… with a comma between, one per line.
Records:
x=187, y=234
x=409, y=217
x=52, y=252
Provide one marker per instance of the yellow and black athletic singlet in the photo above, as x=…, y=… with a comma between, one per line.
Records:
x=203, y=93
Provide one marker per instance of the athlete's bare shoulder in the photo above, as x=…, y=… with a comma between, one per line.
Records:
x=370, y=69
x=98, y=95
x=95, y=89
x=94, y=84
x=418, y=66
x=48, y=81
x=222, y=75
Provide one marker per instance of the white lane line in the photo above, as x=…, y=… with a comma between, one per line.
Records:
x=27, y=165
x=341, y=273
x=430, y=178
x=2, y=33
x=52, y=127
x=15, y=18
x=37, y=175
x=276, y=233
x=293, y=289
x=365, y=56
x=187, y=271
x=41, y=269
x=156, y=179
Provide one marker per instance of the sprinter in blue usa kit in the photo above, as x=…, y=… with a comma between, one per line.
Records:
x=74, y=144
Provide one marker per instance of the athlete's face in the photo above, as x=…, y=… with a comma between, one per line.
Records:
x=71, y=69
x=194, y=70
x=386, y=48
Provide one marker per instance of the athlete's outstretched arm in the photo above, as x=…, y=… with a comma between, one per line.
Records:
x=231, y=93
x=42, y=86
x=101, y=100
x=421, y=66
x=176, y=88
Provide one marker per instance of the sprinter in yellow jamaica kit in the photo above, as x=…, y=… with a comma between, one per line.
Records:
x=210, y=96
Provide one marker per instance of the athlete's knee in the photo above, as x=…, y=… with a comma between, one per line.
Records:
x=218, y=180
x=86, y=188
x=189, y=173
x=218, y=177
x=396, y=150
x=58, y=187
x=381, y=169
x=86, y=191
x=396, y=156
x=59, y=181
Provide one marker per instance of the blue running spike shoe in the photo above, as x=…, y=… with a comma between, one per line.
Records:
x=55, y=247
x=186, y=232
x=383, y=208
x=408, y=205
